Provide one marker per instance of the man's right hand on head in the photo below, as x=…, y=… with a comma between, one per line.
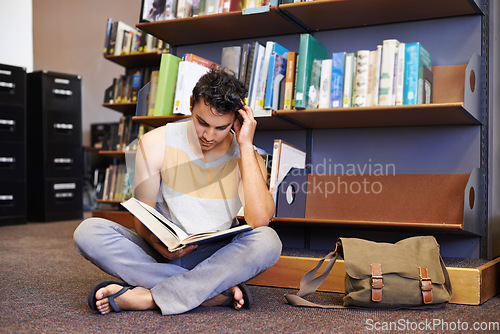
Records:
x=163, y=250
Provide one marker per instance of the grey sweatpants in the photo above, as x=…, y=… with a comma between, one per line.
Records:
x=183, y=284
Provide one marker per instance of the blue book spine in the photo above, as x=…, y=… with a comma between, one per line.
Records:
x=268, y=98
x=336, y=94
x=416, y=57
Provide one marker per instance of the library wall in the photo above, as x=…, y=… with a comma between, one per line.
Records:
x=69, y=37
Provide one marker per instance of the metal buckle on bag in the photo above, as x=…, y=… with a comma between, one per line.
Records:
x=425, y=286
x=377, y=282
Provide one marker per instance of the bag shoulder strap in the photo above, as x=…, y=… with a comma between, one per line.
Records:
x=310, y=284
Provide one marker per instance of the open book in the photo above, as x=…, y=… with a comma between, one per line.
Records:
x=170, y=234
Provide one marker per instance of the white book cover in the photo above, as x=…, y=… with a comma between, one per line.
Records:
x=188, y=75
x=325, y=83
x=375, y=61
x=285, y=156
x=386, y=90
x=252, y=94
x=263, y=76
x=120, y=31
x=350, y=62
x=362, y=78
x=400, y=75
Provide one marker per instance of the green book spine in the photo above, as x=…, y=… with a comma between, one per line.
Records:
x=167, y=78
x=310, y=49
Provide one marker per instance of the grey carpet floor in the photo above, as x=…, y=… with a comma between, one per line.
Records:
x=44, y=284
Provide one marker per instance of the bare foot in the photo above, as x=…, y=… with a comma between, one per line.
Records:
x=218, y=300
x=136, y=299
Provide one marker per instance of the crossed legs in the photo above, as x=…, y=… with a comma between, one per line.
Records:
x=176, y=286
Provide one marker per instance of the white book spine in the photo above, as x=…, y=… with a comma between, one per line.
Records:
x=348, y=79
x=325, y=83
x=362, y=78
x=400, y=75
x=386, y=90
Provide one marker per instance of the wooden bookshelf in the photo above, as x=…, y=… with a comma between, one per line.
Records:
x=113, y=154
x=131, y=60
x=378, y=116
x=126, y=108
x=273, y=122
x=304, y=17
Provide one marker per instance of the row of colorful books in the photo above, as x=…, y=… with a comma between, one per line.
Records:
x=171, y=86
x=122, y=38
x=394, y=74
x=177, y=9
x=125, y=88
x=119, y=135
x=113, y=183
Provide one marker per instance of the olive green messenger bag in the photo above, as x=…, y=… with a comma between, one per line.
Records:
x=407, y=274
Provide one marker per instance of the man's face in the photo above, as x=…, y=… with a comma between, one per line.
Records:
x=211, y=127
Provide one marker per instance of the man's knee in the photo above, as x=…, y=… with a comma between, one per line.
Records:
x=269, y=243
x=86, y=234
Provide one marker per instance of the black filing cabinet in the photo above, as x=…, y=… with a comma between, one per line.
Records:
x=55, y=154
x=12, y=145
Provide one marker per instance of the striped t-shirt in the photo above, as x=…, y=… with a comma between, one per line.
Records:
x=198, y=196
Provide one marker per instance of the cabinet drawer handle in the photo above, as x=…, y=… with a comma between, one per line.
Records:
x=7, y=160
x=64, y=195
x=9, y=85
x=63, y=161
x=7, y=124
x=6, y=198
x=64, y=186
x=63, y=126
x=64, y=92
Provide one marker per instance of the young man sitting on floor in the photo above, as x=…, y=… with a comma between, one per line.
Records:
x=198, y=174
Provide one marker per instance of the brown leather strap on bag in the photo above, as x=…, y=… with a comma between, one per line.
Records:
x=425, y=285
x=377, y=284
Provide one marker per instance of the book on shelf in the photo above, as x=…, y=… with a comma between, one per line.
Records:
x=255, y=74
x=113, y=183
x=231, y=58
x=374, y=76
x=121, y=38
x=310, y=50
x=188, y=75
x=387, y=72
x=349, y=68
x=428, y=82
x=190, y=57
x=361, y=78
x=265, y=79
x=337, y=80
x=184, y=9
x=416, y=59
x=169, y=233
x=153, y=90
x=226, y=6
x=399, y=75
x=325, y=83
x=152, y=10
x=291, y=69
x=275, y=75
x=245, y=52
x=285, y=156
x=165, y=92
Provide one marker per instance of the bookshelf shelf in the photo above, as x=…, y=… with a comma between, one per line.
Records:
x=127, y=108
x=113, y=154
x=303, y=17
x=131, y=60
x=331, y=14
x=263, y=123
x=444, y=227
x=209, y=28
x=379, y=116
